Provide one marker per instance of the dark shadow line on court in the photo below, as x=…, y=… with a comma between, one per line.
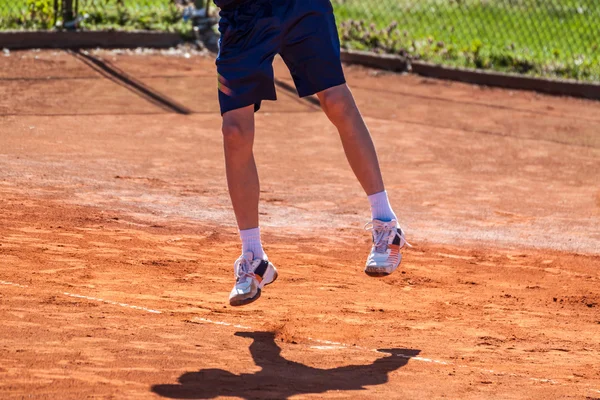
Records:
x=66, y=78
x=291, y=90
x=473, y=103
x=280, y=378
x=489, y=133
x=120, y=77
x=48, y=78
x=82, y=114
x=214, y=112
x=429, y=125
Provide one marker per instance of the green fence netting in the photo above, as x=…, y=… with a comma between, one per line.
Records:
x=27, y=14
x=545, y=37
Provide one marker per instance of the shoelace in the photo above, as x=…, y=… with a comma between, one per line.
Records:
x=381, y=235
x=242, y=269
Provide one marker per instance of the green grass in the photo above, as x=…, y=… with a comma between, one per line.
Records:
x=558, y=38
x=26, y=14
x=160, y=15
x=555, y=38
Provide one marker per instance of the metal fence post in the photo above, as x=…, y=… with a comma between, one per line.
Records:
x=67, y=8
x=55, y=13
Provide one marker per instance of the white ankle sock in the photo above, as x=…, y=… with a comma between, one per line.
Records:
x=251, y=242
x=381, y=208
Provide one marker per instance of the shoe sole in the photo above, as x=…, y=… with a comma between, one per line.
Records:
x=380, y=273
x=377, y=274
x=244, y=302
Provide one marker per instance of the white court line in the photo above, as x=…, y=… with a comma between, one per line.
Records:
x=208, y=321
x=330, y=345
x=327, y=347
x=12, y=284
x=113, y=303
x=348, y=346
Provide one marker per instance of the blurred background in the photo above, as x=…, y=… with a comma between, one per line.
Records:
x=549, y=38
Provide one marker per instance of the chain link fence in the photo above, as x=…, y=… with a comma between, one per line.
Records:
x=27, y=14
x=557, y=38
x=161, y=15
x=541, y=37
x=164, y=15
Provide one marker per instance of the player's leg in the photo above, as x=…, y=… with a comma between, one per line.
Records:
x=388, y=238
x=339, y=106
x=244, y=65
x=312, y=52
x=240, y=167
x=253, y=270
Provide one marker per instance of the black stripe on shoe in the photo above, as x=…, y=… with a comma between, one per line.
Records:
x=397, y=238
x=262, y=268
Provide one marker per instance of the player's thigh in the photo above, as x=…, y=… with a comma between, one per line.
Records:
x=311, y=47
x=249, y=42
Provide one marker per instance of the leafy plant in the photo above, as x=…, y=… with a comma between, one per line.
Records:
x=357, y=34
x=40, y=13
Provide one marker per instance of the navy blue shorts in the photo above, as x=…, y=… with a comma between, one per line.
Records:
x=303, y=32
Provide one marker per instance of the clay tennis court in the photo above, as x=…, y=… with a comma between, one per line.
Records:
x=117, y=240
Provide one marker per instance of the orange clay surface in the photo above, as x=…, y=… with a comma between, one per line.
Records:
x=117, y=241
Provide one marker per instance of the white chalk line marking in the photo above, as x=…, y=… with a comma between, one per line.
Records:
x=349, y=346
x=12, y=284
x=329, y=345
x=209, y=321
x=115, y=303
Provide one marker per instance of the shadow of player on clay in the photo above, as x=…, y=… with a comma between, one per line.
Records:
x=280, y=378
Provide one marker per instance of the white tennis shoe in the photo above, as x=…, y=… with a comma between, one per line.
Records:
x=251, y=275
x=385, y=256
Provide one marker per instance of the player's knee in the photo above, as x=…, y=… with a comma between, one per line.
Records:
x=337, y=102
x=235, y=135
